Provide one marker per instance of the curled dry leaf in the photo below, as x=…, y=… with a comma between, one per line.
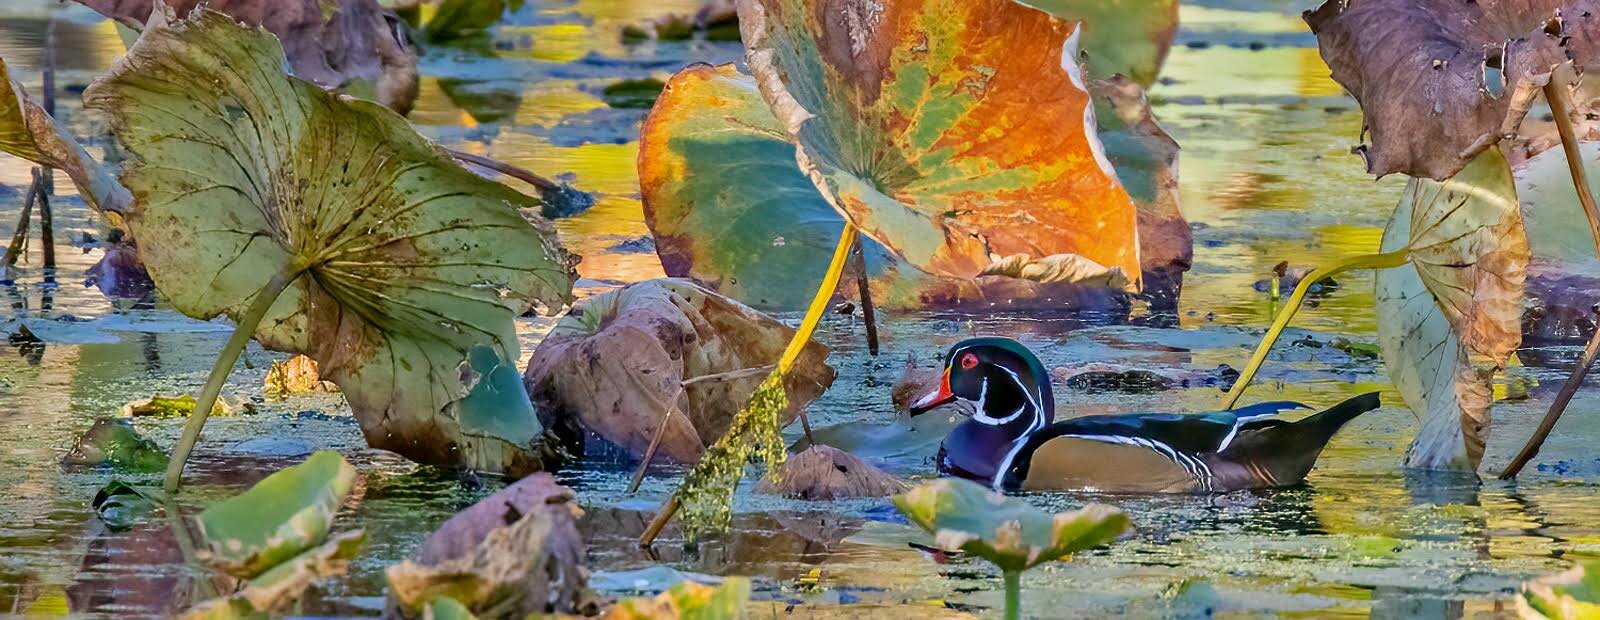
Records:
x=296, y=375
x=401, y=261
x=26, y=131
x=825, y=473
x=516, y=552
x=619, y=360
x=1451, y=315
x=1439, y=83
x=353, y=45
x=1011, y=533
x=921, y=121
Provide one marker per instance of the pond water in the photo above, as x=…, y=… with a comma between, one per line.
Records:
x=1266, y=177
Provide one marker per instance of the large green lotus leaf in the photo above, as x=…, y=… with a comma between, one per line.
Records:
x=28, y=132
x=1451, y=315
x=1120, y=37
x=1572, y=595
x=727, y=204
x=964, y=516
x=407, y=261
x=285, y=514
x=954, y=132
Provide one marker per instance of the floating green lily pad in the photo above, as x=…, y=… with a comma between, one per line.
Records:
x=1007, y=531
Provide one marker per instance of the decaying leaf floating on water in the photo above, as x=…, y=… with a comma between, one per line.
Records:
x=28, y=132
x=283, y=515
x=296, y=375
x=114, y=442
x=1452, y=314
x=922, y=121
x=618, y=361
x=273, y=592
x=398, y=261
x=824, y=473
x=159, y=406
x=1439, y=83
x=517, y=552
x=351, y=45
x=688, y=601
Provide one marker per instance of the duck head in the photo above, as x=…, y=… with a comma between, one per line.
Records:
x=1002, y=380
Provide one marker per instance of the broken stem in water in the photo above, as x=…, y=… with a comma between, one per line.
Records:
x=1561, y=107
x=20, y=239
x=797, y=343
x=1364, y=261
x=515, y=172
x=858, y=268
x=243, y=331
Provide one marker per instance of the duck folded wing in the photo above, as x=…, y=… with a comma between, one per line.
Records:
x=1192, y=433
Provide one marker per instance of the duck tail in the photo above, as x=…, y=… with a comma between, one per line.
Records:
x=1288, y=449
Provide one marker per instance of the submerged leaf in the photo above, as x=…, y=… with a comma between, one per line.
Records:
x=1572, y=595
x=1451, y=315
x=1011, y=533
x=618, y=361
x=347, y=44
x=28, y=132
x=405, y=261
x=925, y=122
x=1439, y=83
x=120, y=505
x=460, y=18
x=278, y=518
x=688, y=600
x=826, y=473
x=112, y=441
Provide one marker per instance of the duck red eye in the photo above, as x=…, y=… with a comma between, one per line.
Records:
x=969, y=361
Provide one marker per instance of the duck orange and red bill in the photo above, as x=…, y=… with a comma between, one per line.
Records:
x=937, y=397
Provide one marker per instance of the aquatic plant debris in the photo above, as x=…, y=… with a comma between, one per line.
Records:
x=920, y=121
x=1453, y=312
x=373, y=253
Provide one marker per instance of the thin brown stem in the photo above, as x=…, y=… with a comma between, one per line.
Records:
x=47, y=231
x=1561, y=108
x=20, y=237
x=858, y=267
x=1574, y=381
x=515, y=172
x=650, y=452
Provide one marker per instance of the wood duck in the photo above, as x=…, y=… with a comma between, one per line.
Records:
x=1013, y=443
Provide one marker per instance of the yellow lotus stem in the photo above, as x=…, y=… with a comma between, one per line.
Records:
x=797, y=343
x=1364, y=261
